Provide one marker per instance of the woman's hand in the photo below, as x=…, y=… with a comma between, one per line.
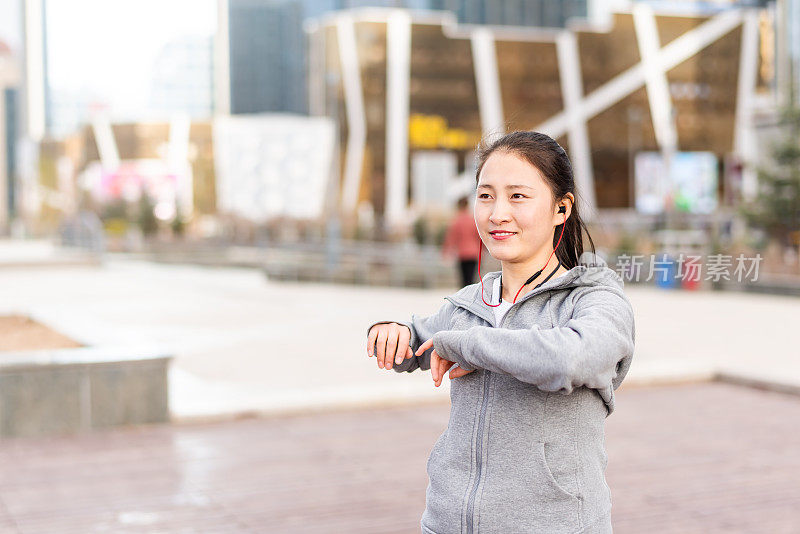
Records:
x=439, y=365
x=392, y=340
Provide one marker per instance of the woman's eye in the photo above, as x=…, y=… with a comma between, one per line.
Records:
x=486, y=195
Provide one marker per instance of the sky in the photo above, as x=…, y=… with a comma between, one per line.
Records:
x=106, y=48
x=10, y=22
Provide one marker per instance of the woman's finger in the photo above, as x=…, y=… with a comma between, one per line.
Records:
x=402, y=345
x=434, y=366
x=425, y=346
x=373, y=336
x=391, y=347
x=442, y=369
x=458, y=372
x=380, y=353
x=444, y=366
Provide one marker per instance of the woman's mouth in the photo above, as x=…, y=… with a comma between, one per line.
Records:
x=501, y=235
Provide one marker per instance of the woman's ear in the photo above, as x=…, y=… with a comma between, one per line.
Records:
x=566, y=203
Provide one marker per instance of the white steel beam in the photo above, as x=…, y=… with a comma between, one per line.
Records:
x=658, y=96
x=398, y=79
x=632, y=79
x=34, y=70
x=354, y=109
x=569, y=70
x=487, y=81
x=744, y=141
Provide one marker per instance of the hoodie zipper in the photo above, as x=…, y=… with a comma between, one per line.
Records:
x=480, y=312
x=478, y=454
x=484, y=406
x=479, y=446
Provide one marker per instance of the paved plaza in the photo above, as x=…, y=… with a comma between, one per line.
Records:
x=341, y=445
x=683, y=459
x=244, y=344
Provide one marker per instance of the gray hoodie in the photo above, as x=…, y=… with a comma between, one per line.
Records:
x=524, y=450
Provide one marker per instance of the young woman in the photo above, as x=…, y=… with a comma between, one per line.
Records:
x=535, y=352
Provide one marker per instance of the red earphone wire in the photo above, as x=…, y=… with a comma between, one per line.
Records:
x=499, y=301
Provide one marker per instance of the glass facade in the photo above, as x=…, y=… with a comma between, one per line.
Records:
x=444, y=102
x=604, y=56
x=532, y=13
x=268, y=53
x=267, y=57
x=442, y=89
x=371, y=46
x=183, y=78
x=530, y=86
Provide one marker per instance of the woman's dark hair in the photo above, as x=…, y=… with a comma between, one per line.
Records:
x=551, y=160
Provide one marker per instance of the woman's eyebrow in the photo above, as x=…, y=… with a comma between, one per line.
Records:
x=516, y=186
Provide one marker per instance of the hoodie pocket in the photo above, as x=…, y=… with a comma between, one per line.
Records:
x=522, y=495
x=541, y=451
x=435, y=450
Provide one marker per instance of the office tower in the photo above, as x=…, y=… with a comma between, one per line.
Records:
x=183, y=77
x=9, y=96
x=266, y=56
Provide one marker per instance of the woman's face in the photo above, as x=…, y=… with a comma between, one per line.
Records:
x=513, y=196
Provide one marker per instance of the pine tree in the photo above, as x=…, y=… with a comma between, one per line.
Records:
x=776, y=207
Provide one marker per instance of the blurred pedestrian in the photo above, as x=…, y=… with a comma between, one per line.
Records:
x=464, y=242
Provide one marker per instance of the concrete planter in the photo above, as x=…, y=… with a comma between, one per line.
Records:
x=50, y=392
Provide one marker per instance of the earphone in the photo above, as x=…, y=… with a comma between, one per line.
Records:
x=561, y=209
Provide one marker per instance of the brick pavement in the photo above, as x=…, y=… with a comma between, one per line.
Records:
x=695, y=458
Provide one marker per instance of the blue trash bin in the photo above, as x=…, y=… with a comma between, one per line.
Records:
x=665, y=273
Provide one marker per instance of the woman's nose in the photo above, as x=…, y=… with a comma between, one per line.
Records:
x=499, y=213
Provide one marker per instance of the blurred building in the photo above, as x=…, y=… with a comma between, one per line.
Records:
x=788, y=51
x=47, y=112
x=9, y=130
x=785, y=35
x=400, y=82
x=182, y=80
x=264, y=51
x=266, y=56
x=183, y=77
x=37, y=103
x=794, y=39
x=102, y=165
x=535, y=13
x=274, y=166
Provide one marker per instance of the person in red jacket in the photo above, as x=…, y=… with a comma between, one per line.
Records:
x=462, y=240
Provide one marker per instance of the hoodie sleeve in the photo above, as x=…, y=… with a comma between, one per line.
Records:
x=593, y=349
x=422, y=329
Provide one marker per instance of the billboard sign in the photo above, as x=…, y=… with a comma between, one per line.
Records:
x=688, y=183
x=273, y=165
